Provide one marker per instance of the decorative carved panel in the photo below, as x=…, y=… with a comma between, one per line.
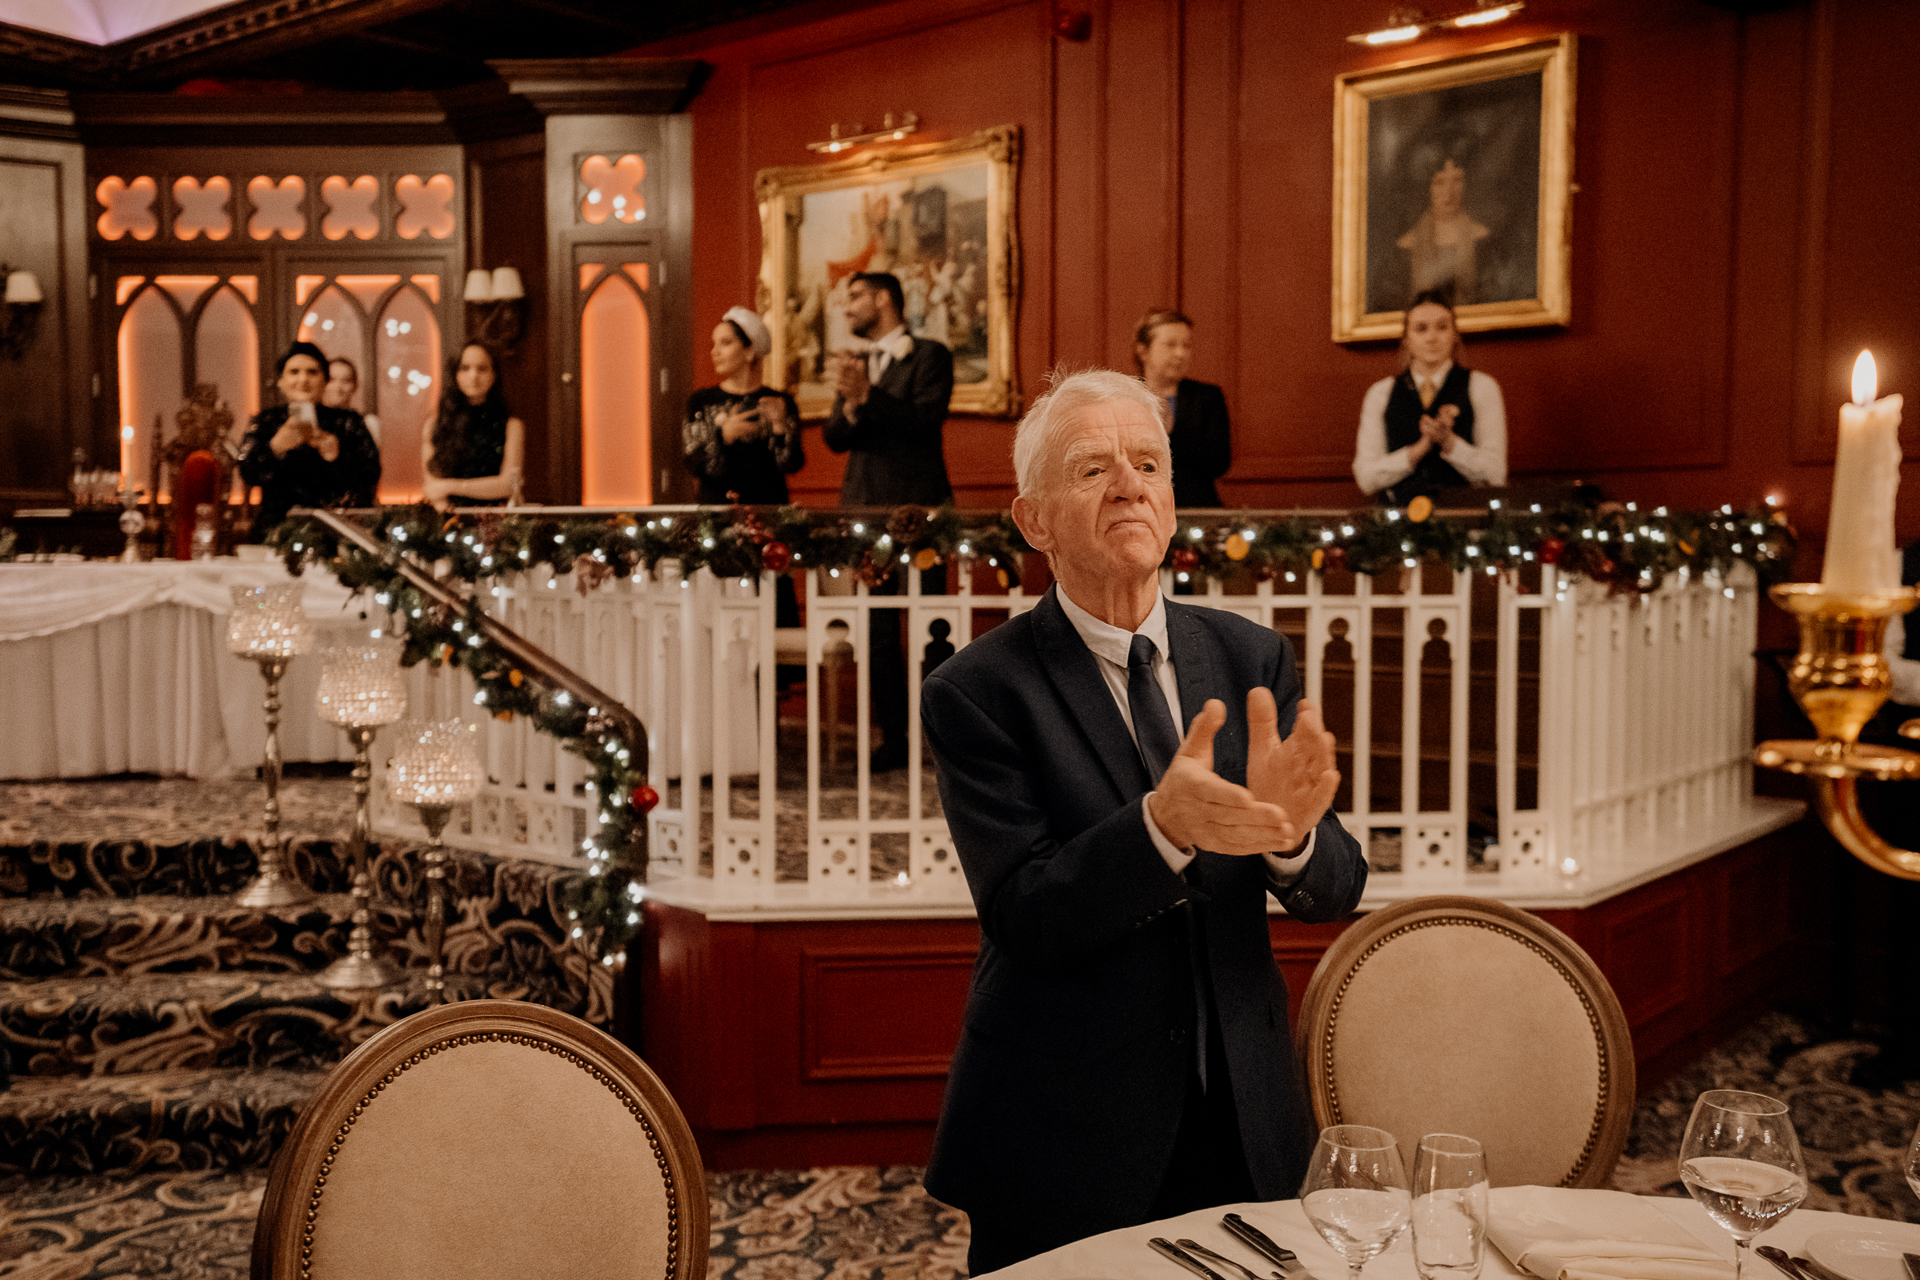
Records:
x=127, y=207
x=424, y=206
x=613, y=189
x=202, y=208
x=350, y=207
x=277, y=207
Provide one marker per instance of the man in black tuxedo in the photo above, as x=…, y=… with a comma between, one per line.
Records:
x=889, y=410
x=1125, y=1053
x=890, y=405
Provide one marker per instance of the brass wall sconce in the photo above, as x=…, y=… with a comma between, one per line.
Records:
x=1840, y=678
x=19, y=312
x=890, y=130
x=1410, y=24
x=496, y=307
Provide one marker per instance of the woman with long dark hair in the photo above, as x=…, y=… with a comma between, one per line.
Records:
x=1438, y=424
x=474, y=454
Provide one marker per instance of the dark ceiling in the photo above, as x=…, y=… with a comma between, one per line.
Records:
x=359, y=45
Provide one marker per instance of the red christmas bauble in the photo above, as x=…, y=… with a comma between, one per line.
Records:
x=644, y=798
x=1186, y=558
x=776, y=557
x=1603, y=569
x=1551, y=551
x=1336, y=557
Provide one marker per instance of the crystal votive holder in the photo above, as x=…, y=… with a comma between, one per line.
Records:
x=269, y=621
x=361, y=685
x=435, y=763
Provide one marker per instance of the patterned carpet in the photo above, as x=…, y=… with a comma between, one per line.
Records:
x=866, y=1223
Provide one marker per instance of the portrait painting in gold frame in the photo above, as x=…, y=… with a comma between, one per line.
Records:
x=1455, y=174
x=938, y=215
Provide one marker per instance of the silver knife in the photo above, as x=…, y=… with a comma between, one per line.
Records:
x=1254, y=1238
x=1167, y=1247
x=1245, y=1273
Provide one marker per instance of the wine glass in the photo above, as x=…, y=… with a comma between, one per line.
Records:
x=1449, y=1207
x=1355, y=1193
x=1741, y=1160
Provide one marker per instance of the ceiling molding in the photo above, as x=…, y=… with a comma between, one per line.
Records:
x=404, y=118
x=603, y=86
x=260, y=27
x=36, y=113
x=24, y=50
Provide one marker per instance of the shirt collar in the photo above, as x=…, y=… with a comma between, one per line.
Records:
x=1109, y=641
x=897, y=344
x=1439, y=375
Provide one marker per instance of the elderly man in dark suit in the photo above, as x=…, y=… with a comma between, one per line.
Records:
x=1125, y=1054
x=889, y=411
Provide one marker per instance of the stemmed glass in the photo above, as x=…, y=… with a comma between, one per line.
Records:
x=1355, y=1193
x=1741, y=1160
x=1449, y=1207
x=1912, y=1166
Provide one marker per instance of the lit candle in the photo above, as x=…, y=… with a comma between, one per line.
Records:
x=126, y=457
x=1861, y=553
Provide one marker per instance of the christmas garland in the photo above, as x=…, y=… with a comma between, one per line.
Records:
x=1619, y=545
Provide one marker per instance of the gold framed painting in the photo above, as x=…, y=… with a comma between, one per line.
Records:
x=1455, y=174
x=940, y=216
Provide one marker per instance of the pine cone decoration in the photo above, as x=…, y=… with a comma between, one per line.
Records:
x=908, y=524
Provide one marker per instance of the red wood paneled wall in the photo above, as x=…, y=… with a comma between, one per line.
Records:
x=799, y=1043
x=1744, y=220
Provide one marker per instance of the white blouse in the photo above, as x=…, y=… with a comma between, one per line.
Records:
x=1482, y=462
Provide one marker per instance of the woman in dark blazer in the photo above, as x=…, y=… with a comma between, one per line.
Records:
x=304, y=453
x=1200, y=434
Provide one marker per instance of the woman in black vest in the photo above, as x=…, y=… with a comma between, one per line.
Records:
x=474, y=452
x=1438, y=425
x=1199, y=435
x=741, y=439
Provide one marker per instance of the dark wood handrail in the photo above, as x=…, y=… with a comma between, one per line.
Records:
x=542, y=666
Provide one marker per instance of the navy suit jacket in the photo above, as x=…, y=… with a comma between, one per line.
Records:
x=896, y=436
x=1066, y=1090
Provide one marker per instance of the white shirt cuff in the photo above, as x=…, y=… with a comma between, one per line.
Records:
x=1176, y=858
x=1282, y=872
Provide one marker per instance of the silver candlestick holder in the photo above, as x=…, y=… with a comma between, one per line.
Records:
x=269, y=626
x=361, y=690
x=435, y=769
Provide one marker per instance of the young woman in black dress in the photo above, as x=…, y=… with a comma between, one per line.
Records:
x=742, y=439
x=474, y=454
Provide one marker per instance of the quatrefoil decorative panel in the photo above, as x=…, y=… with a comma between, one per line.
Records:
x=613, y=189
x=350, y=207
x=424, y=206
x=203, y=208
x=127, y=208
x=277, y=207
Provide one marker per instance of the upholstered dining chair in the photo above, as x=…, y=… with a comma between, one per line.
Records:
x=1463, y=1015
x=486, y=1138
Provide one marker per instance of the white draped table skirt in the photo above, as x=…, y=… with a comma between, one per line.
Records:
x=124, y=668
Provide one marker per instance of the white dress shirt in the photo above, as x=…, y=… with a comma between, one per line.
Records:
x=1483, y=461
x=894, y=345
x=1905, y=670
x=1112, y=648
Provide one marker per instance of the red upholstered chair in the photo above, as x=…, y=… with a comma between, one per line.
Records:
x=199, y=482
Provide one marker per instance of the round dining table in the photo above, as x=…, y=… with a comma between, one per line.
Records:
x=1126, y=1255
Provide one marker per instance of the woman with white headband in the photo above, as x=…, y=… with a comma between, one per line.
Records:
x=742, y=439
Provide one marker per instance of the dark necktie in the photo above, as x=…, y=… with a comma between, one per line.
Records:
x=1153, y=729
x=1154, y=733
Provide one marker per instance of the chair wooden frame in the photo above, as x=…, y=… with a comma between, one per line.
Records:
x=296, y=1186
x=1613, y=1041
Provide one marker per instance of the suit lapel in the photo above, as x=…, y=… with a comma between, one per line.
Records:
x=1075, y=674
x=893, y=379
x=1196, y=668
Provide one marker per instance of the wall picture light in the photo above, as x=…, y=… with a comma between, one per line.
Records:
x=1410, y=24
x=19, y=313
x=890, y=130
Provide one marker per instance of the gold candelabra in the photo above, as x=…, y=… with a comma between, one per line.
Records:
x=1840, y=678
x=268, y=625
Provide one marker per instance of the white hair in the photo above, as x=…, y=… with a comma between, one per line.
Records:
x=1036, y=439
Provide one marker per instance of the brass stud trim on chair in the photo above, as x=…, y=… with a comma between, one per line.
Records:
x=632, y=1105
x=1593, y=1022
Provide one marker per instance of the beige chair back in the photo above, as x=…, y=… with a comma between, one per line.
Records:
x=1462, y=1015
x=487, y=1138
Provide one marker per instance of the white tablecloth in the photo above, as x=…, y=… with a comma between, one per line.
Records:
x=123, y=668
x=1124, y=1255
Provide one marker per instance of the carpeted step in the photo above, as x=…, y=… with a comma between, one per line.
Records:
x=156, y=933
x=143, y=1022
x=182, y=1119
x=125, y=868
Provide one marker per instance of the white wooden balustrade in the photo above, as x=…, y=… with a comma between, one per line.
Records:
x=1528, y=737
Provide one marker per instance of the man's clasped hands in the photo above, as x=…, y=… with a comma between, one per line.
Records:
x=1290, y=783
